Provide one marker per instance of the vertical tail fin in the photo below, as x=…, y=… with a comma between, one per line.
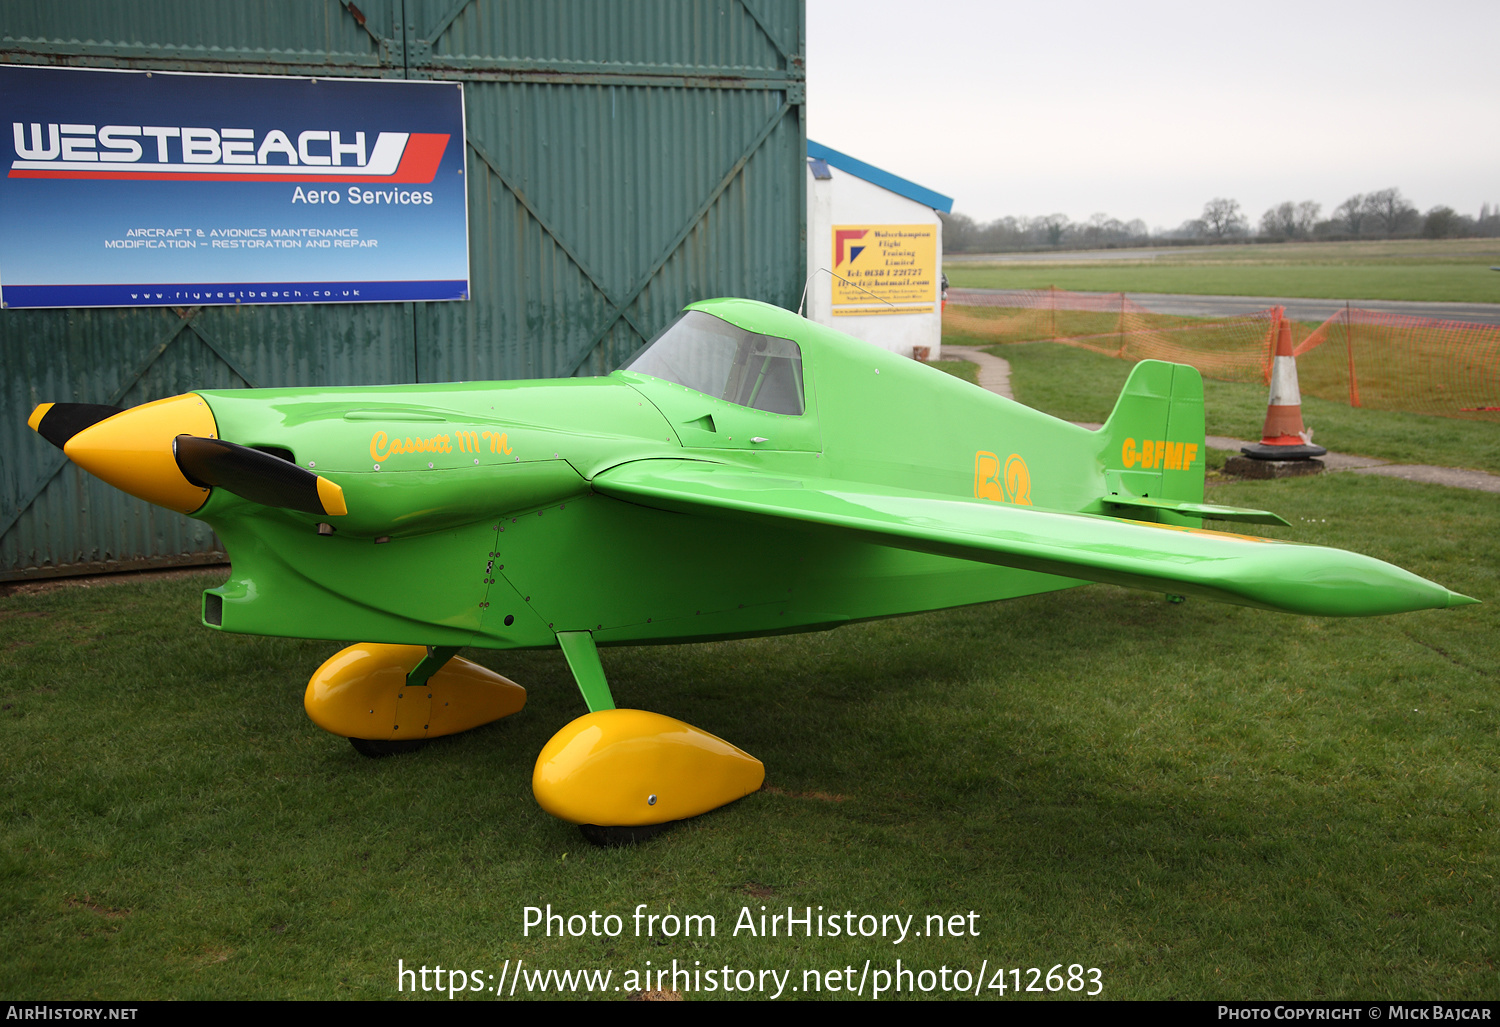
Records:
x=1152, y=445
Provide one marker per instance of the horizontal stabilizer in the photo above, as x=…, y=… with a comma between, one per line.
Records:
x=1209, y=510
x=1165, y=558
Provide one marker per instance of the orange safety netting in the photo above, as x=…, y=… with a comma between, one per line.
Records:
x=1360, y=357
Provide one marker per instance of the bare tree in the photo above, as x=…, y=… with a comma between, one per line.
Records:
x=1194, y=228
x=1447, y=223
x=1103, y=230
x=1390, y=210
x=1352, y=213
x=1222, y=217
x=1280, y=222
x=959, y=232
x=1307, y=216
x=1290, y=220
x=1488, y=224
x=962, y=234
x=1054, y=225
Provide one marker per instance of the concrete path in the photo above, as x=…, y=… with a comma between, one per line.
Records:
x=994, y=374
x=1455, y=477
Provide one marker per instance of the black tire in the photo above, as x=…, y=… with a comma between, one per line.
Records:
x=617, y=837
x=377, y=748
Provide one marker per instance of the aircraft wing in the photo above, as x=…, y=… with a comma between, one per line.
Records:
x=1240, y=569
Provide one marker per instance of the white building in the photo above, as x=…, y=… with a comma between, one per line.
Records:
x=874, y=253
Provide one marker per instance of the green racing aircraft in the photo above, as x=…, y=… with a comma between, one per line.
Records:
x=748, y=473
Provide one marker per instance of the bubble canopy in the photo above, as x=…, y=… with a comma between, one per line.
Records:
x=712, y=356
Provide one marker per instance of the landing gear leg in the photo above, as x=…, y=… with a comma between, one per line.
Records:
x=583, y=660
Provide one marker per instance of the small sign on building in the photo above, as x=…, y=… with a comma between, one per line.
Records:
x=884, y=269
x=875, y=253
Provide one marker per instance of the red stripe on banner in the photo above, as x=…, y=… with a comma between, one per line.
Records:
x=419, y=164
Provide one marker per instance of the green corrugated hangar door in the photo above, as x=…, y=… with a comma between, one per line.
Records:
x=623, y=160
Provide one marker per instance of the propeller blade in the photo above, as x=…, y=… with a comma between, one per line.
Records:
x=256, y=476
x=59, y=422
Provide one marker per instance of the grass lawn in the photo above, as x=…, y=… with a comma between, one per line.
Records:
x=1199, y=800
x=1453, y=270
x=1080, y=385
x=965, y=369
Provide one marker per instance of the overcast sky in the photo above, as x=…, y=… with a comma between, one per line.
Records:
x=1147, y=109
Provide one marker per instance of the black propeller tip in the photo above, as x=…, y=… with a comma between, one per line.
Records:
x=61, y=421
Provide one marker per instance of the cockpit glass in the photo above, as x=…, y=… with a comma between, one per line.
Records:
x=711, y=355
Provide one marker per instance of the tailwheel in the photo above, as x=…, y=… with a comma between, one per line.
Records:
x=626, y=775
x=375, y=748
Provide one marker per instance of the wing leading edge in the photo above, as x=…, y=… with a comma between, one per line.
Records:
x=1241, y=569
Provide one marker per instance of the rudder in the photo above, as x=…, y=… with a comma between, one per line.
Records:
x=1152, y=445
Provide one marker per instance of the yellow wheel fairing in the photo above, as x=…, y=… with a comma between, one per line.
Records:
x=631, y=768
x=133, y=450
x=361, y=692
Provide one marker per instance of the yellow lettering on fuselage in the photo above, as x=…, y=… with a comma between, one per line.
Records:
x=383, y=447
x=1150, y=454
x=1012, y=485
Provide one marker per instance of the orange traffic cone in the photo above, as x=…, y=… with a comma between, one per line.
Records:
x=1283, y=437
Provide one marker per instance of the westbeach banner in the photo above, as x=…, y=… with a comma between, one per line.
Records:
x=135, y=188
